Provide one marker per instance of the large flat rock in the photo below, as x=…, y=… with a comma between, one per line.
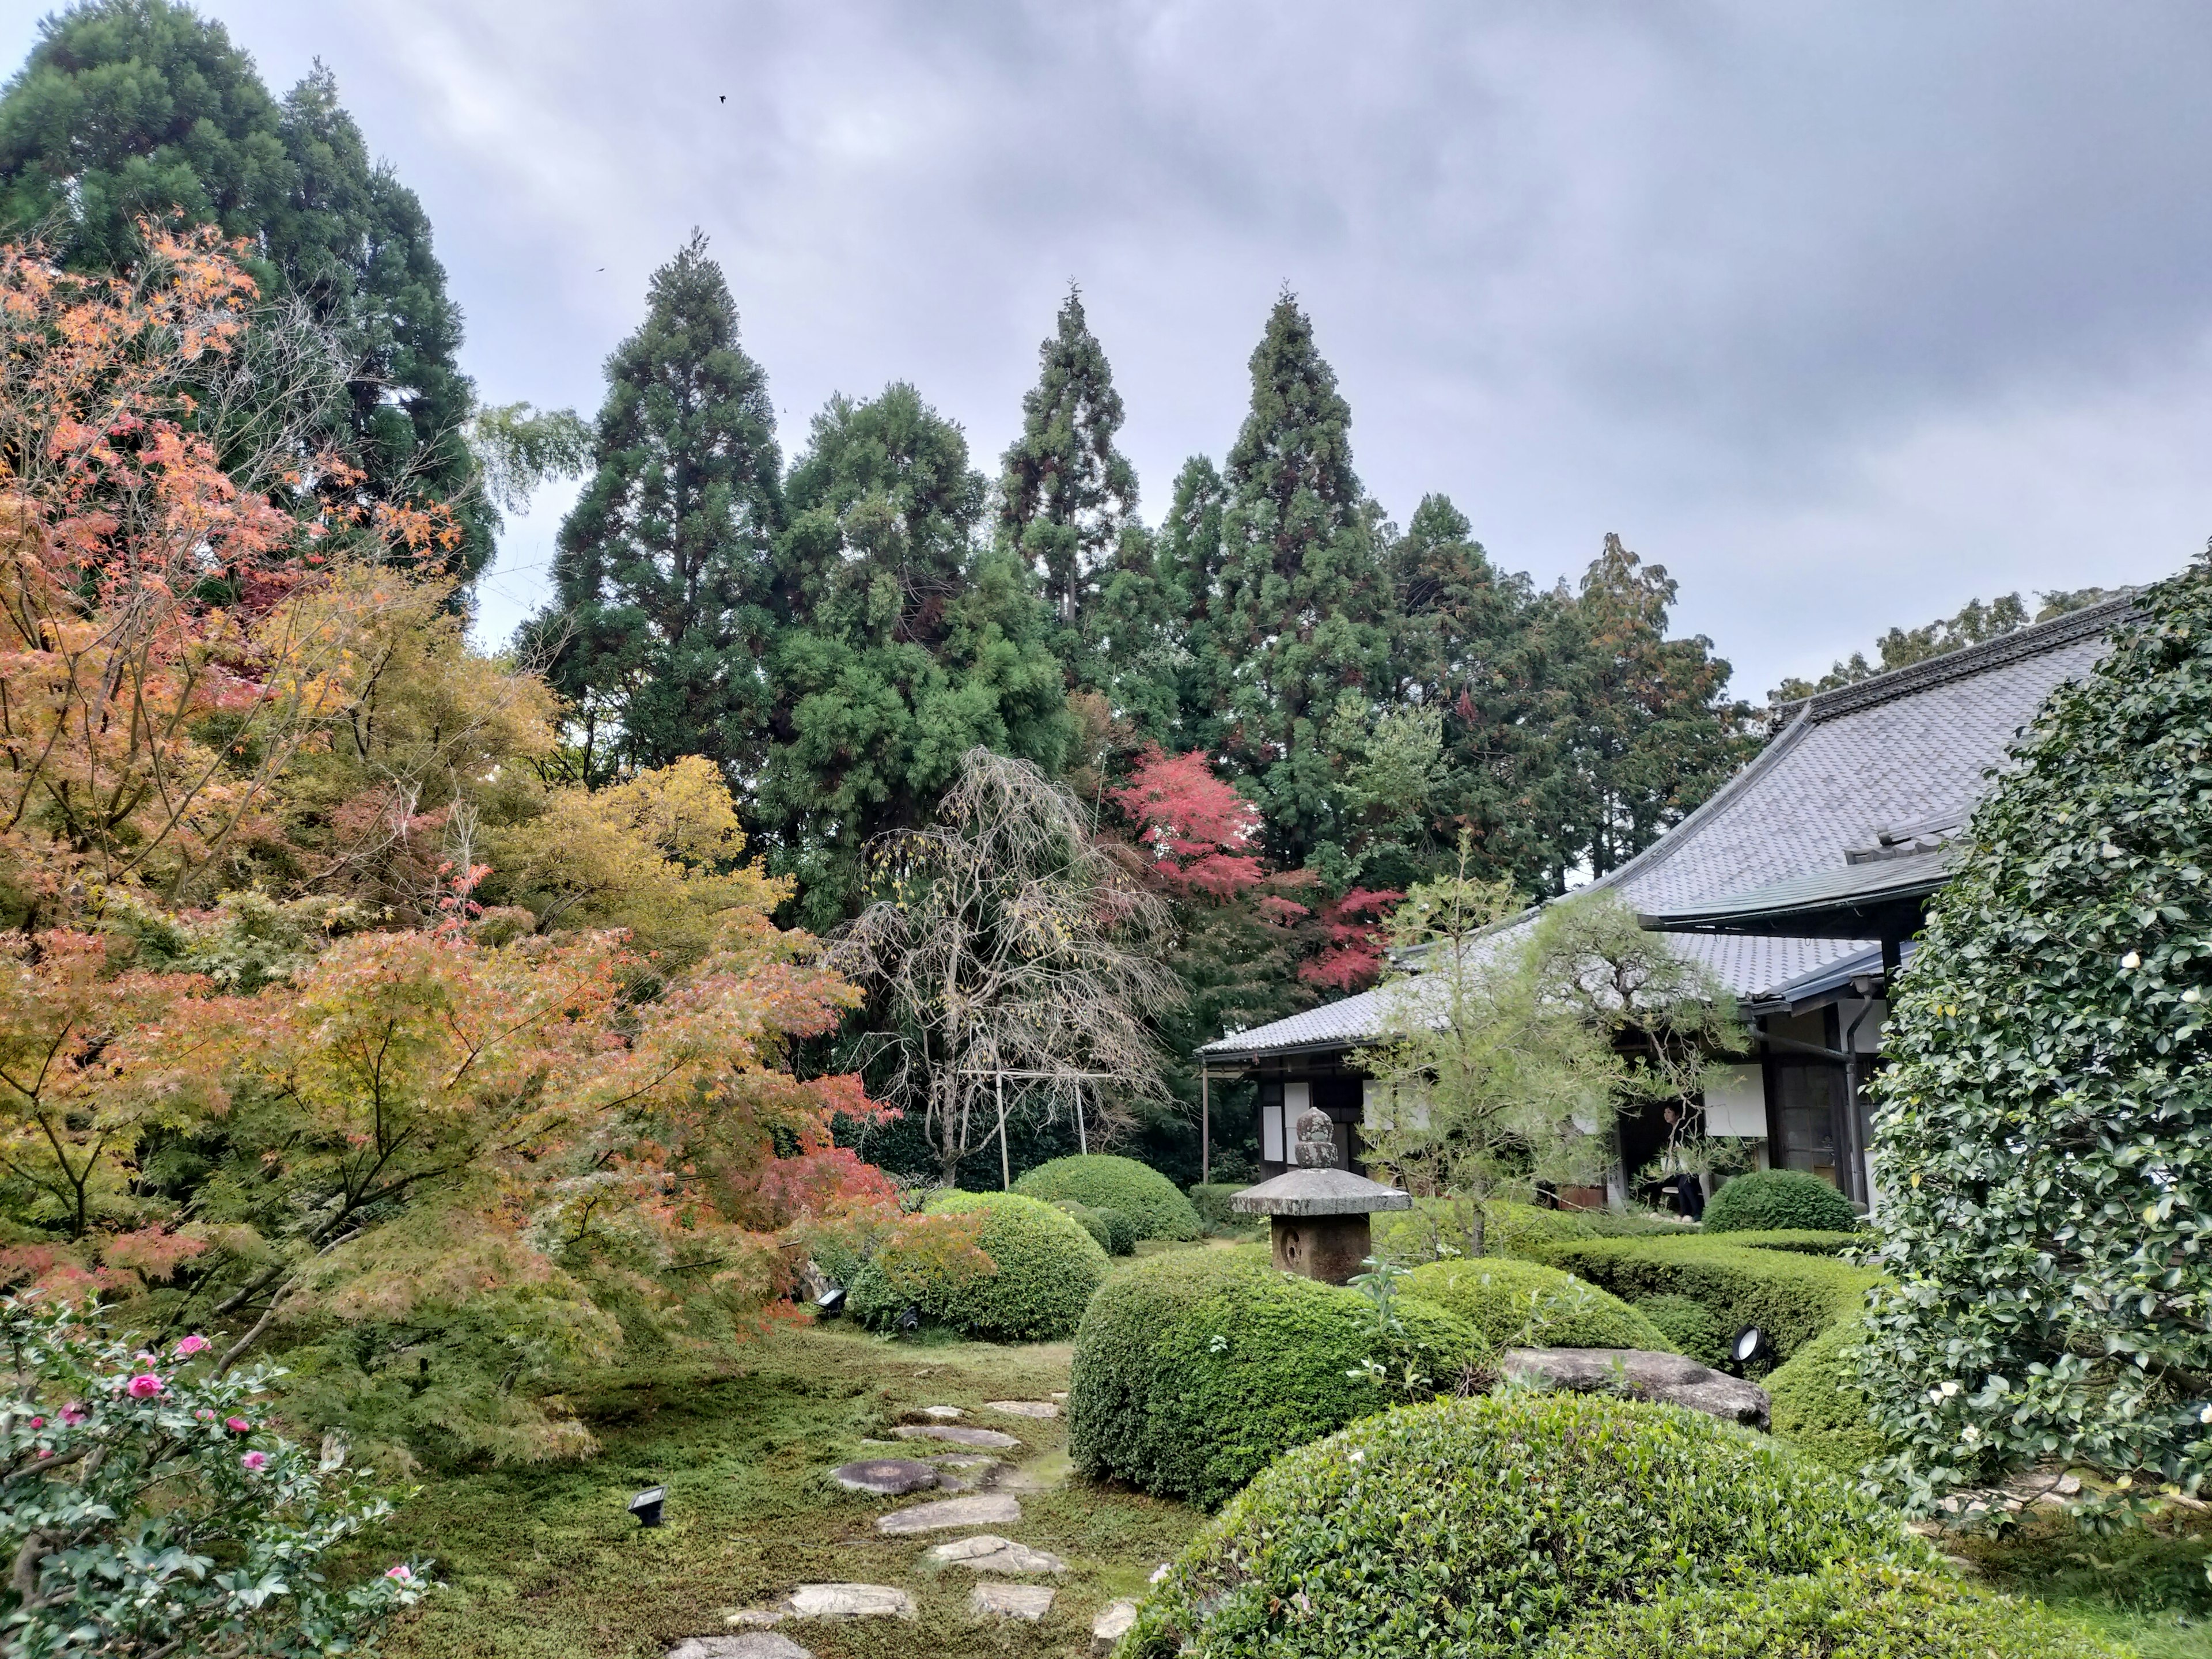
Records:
x=986, y=1552
x=886, y=1477
x=753, y=1644
x=1037, y=1409
x=992, y=1599
x=832, y=1601
x=982, y=1509
x=1640, y=1374
x=989, y=1438
x=1111, y=1625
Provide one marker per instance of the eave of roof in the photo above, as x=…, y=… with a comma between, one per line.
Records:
x=1881, y=899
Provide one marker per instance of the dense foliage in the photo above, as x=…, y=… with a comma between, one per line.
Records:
x=1104, y=1182
x=1779, y=1201
x=1818, y=1406
x=1690, y=1326
x=1194, y=1370
x=1114, y=1232
x=1525, y=1304
x=1473, y=1528
x=2044, y=1137
x=1845, y=1612
x=1042, y=1267
x=1211, y=1200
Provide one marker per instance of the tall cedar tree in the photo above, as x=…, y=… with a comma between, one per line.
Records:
x=1150, y=644
x=131, y=109
x=1303, y=602
x=1653, y=732
x=664, y=586
x=906, y=643
x=1065, y=492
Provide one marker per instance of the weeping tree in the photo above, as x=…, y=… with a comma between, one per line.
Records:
x=1014, y=963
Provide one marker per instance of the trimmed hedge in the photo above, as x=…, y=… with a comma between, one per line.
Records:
x=1212, y=1203
x=1690, y=1326
x=1525, y=1304
x=1104, y=1181
x=1845, y=1613
x=1768, y=1199
x=1471, y=1528
x=1792, y=1298
x=1111, y=1229
x=1818, y=1409
x=1804, y=1241
x=1194, y=1369
x=1047, y=1267
x=1435, y=1229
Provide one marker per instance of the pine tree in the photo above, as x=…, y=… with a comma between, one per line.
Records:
x=1065, y=492
x=1148, y=638
x=664, y=584
x=906, y=643
x=1303, y=602
x=128, y=109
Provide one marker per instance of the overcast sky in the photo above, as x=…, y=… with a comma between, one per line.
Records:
x=1845, y=314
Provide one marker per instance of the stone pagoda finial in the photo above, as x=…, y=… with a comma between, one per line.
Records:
x=1316, y=1147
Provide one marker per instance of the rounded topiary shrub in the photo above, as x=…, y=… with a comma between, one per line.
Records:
x=1525, y=1304
x=1690, y=1326
x=1046, y=1268
x=1110, y=1228
x=1212, y=1203
x=1194, y=1370
x=1770, y=1200
x=1104, y=1181
x=1472, y=1528
x=1842, y=1613
x=1818, y=1409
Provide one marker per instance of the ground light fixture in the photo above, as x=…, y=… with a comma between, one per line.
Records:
x=1750, y=1343
x=646, y=1506
x=831, y=1302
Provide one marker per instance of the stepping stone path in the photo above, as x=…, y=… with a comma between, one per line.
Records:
x=1030, y=1601
x=832, y=1601
x=986, y=1553
x=1112, y=1623
x=1037, y=1409
x=757, y=1644
x=993, y=1509
x=989, y=1438
x=943, y=1414
x=886, y=1477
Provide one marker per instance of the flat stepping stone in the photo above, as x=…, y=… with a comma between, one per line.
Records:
x=832, y=1601
x=755, y=1645
x=1039, y=1409
x=990, y=1438
x=886, y=1477
x=989, y=1509
x=986, y=1552
x=943, y=1414
x=1112, y=1624
x=992, y=1600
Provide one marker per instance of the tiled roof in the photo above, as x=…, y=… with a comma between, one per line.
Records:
x=1905, y=748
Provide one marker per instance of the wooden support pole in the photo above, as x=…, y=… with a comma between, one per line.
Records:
x=1006, y=1165
x=1205, y=1129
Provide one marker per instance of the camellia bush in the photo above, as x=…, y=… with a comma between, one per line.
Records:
x=2045, y=1142
x=147, y=1509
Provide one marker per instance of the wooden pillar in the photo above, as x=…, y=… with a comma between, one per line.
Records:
x=1205, y=1128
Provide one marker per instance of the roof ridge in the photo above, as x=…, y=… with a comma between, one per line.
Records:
x=2031, y=640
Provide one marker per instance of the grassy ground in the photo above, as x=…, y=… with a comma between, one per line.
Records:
x=2146, y=1588
x=546, y=1562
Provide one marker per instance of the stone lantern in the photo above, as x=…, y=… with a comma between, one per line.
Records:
x=1317, y=1212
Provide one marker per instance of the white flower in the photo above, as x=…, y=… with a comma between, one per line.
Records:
x=2205, y=1416
x=1950, y=1387
x=1969, y=1434
x=1357, y=1457
x=2132, y=961
x=2192, y=994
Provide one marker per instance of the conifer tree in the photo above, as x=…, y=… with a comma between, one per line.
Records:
x=663, y=583
x=1302, y=602
x=1150, y=643
x=907, y=643
x=1065, y=492
x=130, y=109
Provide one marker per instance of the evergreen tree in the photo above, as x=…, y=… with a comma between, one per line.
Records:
x=1065, y=492
x=906, y=643
x=1302, y=602
x=664, y=584
x=1149, y=640
x=134, y=108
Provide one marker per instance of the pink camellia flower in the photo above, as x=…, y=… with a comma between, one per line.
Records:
x=254, y=1461
x=191, y=1346
x=403, y=1573
x=144, y=1386
x=204, y=1415
x=38, y=1422
x=45, y=1451
x=74, y=1413
x=238, y=1425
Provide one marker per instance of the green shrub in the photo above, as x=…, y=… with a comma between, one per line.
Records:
x=1690, y=1326
x=1194, y=1370
x=1471, y=1528
x=1803, y=1240
x=1818, y=1409
x=1767, y=1200
x=1092, y=1221
x=1851, y=1612
x=1525, y=1304
x=1121, y=1232
x=1634, y=1224
x=1438, y=1229
x=1212, y=1203
x=1047, y=1267
x=1790, y=1297
x=1139, y=1192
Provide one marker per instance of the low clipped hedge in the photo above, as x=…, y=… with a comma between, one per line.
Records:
x=1194, y=1369
x=1048, y=1269
x=1818, y=1409
x=1211, y=1200
x=1792, y=1298
x=1690, y=1326
x=1767, y=1200
x=1848, y=1612
x=1104, y=1181
x=1527, y=1304
x=1804, y=1241
x=1436, y=1229
x=1114, y=1233
x=1472, y=1528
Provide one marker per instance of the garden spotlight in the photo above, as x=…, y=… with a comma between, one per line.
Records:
x=646, y=1506
x=1750, y=1343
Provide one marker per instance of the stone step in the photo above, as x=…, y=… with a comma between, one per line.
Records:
x=987, y=1552
x=992, y=1600
x=989, y=1509
x=943, y=1414
x=831, y=1602
x=754, y=1645
x=990, y=1438
x=887, y=1477
x=1036, y=1409
x=1112, y=1623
